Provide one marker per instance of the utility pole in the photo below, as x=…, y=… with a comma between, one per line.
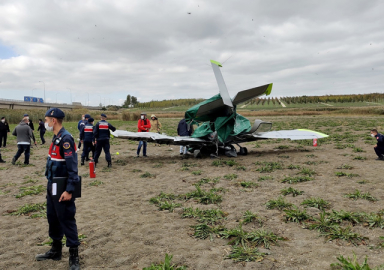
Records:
x=44, y=89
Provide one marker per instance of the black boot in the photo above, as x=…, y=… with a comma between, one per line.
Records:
x=74, y=262
x=109, y=164
x=82, y=161
x=53, y=254
x=1, y=160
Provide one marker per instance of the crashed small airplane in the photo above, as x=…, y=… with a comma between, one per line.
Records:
x=220, y=127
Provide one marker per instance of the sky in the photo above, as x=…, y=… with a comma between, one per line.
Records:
x=100, y=51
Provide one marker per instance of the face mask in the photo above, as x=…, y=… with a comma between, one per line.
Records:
x=373, y=135
x=3, y=121
x=47, y=127
x=142, y=117
x=83, y=118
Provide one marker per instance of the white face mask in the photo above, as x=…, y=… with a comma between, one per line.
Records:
x=83, y=118
x=3, y=120
x=142, y=117
x=373, y=135
x=47, y=127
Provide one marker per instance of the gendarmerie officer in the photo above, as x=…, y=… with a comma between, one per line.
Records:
x=81, y=124
x=101, y=133
x=61, y=162
x=379, y=147
x=88, y=140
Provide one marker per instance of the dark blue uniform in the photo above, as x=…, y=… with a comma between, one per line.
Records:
x=379, y=150
x=86, y=135
x=101, y=133
x=62, y=162
x=42, y=131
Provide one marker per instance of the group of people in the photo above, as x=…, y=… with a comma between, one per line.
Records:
x=95, y=138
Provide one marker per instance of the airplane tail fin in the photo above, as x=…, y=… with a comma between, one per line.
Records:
x=220, y=82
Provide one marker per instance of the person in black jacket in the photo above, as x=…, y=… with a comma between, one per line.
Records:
x=379, y=147
x=42, y=131
x=101, y=135
x=4, y=130
x=30, y=124
x=184, y=129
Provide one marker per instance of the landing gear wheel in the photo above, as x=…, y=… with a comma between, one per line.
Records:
x=243, y=151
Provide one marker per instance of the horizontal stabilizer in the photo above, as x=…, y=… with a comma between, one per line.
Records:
x=296, y=134
x=245, y=95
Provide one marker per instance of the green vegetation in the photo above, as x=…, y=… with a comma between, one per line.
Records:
x=230, y=176
x=203, y=197
x=248, y=184
x=29, y=208
x=280, y=204
x=166, y=265
x=148, y=175
x=197, y=172
x=359, y=195
x=316, y=202
x=296, y=179
x=32, y=190
x=263, y=178
x=245, y=254
x=249, y=217
x=96, y=183
x=221, y=162
x=268, y=167
x=291, y=190
x=353, y=264
x=296, y=215
x=210, y=216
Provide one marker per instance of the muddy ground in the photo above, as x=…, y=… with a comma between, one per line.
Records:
x=125, y=231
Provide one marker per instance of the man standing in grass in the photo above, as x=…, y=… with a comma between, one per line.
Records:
x=61, y=162
x=379, y=147
x=101, y=135
x=24, y=134
x=143, y=125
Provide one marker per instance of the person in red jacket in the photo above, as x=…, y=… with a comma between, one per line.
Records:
x=144, y=125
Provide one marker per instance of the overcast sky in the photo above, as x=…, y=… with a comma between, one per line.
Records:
x=160, y=49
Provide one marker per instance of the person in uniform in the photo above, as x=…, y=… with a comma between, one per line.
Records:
x=379, y=147
x=143, y=125
x=183, y=129
x=88, y=140
x=101, y=133
x=41, y=128
x=81, y=124
x=61, y=162
x=4, y=130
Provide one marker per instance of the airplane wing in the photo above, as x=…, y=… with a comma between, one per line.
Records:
x=296, y=134
x=158, y=138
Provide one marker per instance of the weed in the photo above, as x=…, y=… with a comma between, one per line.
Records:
x=350, y=175
x=281, y=156
x=96, y=183
x=337, y=232
x=307, y=171
x=238, y=236
x=203, y=231
x=358, y=150
x=310, y=162
x=296, y=215
x=321, y=224
x=166, y=265
x=246, y=254
x=342, y=215
x=263, y=237
x=269, y=166
x=168, y=206
x=362, y=182
x=197, y=172
x=282, y=147
x=291, y=190
x=316, y=202
x=220, y=162
x=358, y=195
x=375, y=220
x=263, y=178
x=280, y=204
x=241, y=168
x=359, y=158
x=121, y=162
x=33, y=190
x=148, y=175
x=210, y=216
x=85, y=175
x=29, y=208
x=345, y=166
x=230, y=176
x=4, y=192
x=30, y=181
x=296, y=179
x=248, y=184
x=136, y=170
x=207, y=180
x=292, y=167
x=204, y=196
x=106, y=169
x=311, y=156
x=350, y=264
x=249, y=217
x=162, y=197
x=340, y=174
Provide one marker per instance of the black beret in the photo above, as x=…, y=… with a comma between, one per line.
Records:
x=103, y=115
x=90, y=120
x=87, y=116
